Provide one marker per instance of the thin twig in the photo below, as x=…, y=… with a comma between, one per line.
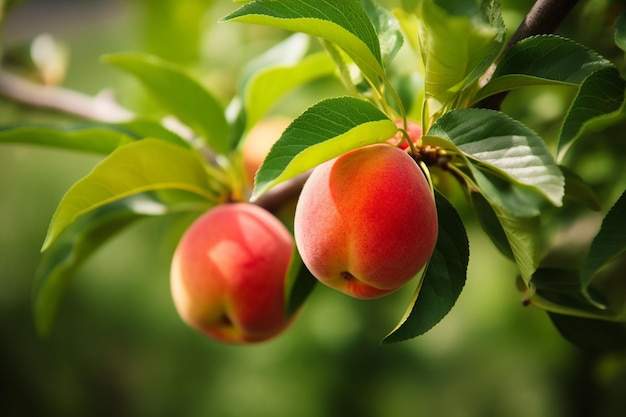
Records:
x=100, y=108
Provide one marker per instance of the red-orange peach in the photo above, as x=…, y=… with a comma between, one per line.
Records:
x=413, y=129
x=228, y=274
x=366, y=222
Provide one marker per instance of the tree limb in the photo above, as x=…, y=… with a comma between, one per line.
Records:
x=100, y=108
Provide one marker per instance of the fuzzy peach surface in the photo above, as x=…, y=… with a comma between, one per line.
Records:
x=366, y=222
x=228, y=273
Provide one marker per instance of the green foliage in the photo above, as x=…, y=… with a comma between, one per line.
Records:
x=147, y=165
x=185, y=97
x=553, y=60
x=93, y=139
x=443, y=279
x=458, y=43
x=80, y=240
x=511, y=174
x=328, y=129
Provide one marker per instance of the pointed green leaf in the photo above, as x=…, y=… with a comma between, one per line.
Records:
x=343, y=22
x=560, y=291
x=146, y=128
x=609, y=243
x=266, y=87
x=78, y=242
x=512, y=218
x=284, y=54
x=146, y=165
x=543, y=60
x=387, y=27
x=94, y=139
x=600, y=97
x=488, y=220
x=594, y=334
x=458, y=44
x=577, y=190
x=299, y=283
x=180, y=94
x=444, y=278
x=328, y=129
x=498, y=143
x=524, y=236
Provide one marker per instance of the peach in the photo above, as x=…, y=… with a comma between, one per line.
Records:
x=413, y=129
x=258, y=143
x=366, y=222
x=228, y=274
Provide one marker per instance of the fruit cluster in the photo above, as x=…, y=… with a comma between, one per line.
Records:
x=365, y=224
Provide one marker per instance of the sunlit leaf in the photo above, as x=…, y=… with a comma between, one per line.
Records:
x=79, y=241
x=266, y=87
x=343, y=22
x=146, y=165
x=524, y=236
x=284, y=54
x=145, y=128
x=93, y=139
x=600, y=97
x=543, y=60
x=458, y=43
x=180, y=94
x=499, y=144
x=444, y=278
x=328, y=129
x=388, y=29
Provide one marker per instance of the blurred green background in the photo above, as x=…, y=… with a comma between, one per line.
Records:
x=119, y=348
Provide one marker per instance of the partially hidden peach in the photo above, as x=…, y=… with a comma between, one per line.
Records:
x=366, y=222
x=258, y=143
x=413, y=129
x=228, y=274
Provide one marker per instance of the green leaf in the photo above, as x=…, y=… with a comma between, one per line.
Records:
x=94, y=139
x=145, y=128
x=284, y=54
x=443, y=280
x=560, y=291
x=78, y=242
x=579, y=191
x=146, y=165
x=501, y=145
x=591, y=334
x=609, y=243
x=620, y=31
x=328, y=129
x=266, y=87
x=180, y=94
x=524, y=236
x=458, y=42
x=600, y=97
x=512, y=220
x=387, y=27
x=299, y=283
x=543, y=60
x=488, y=220
x=343, y=22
